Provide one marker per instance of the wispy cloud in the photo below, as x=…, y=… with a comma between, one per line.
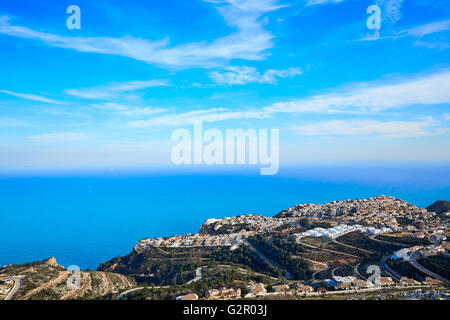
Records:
x=250, y=5
x=249, y=42
x=429, y=28
x=385, y=129
x=207, y=115
x=368, y=97
x=114, y=89
x=446, y=116
x=417, y=31
x=317, y=2
x=32, y=97
x=57, y=137
x=127, y=110
x=431, y=89
x=245, y=74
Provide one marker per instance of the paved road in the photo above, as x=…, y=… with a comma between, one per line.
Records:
x=17, y=284
x=333, y=272
x=318, y=271
x=198, y=275
x=129, y=291
x=358, y=273
x=388, y=270
x=418, y=266
x=267, y=260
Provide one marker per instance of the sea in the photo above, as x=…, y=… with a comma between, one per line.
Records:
x=86, y=218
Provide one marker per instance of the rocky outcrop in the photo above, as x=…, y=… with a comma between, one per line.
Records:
x=52, y=262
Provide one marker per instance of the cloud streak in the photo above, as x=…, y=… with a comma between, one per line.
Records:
x=320, y=2
x=206, y=115
x=361, y=98
x=245, y=74
x=114, y=89
x=130, y=111
x=384, y=129
x=250, y=41
x=429, y=28
x=31, y=97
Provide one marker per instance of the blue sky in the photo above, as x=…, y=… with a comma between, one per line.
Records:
x=111, y=93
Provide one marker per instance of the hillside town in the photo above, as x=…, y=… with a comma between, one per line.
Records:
x=306, y=251
x=378, y=216
x=379, y=211
x=248, y=225
x=372, y=216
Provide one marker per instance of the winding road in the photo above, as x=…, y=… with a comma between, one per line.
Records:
x=388, y=270
x=198, y=275
x=17, y=284
x=413, y=261
x=358, y=273
x=263, y=257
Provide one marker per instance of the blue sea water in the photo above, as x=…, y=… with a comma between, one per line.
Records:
x=86, y=219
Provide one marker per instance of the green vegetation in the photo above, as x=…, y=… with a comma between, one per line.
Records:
x=324, y=274
x=230, y=277
x=213, y=277
x=176, y=266
x=247, y=257
x=405, y=269
x=346, y=270
x=357, y=239
x=438, y=264
x=40, y=274
x=283, y=253
x=403, y=221
x=342, y=248
x=316, y=242
x=308, y=224
x=408, y=241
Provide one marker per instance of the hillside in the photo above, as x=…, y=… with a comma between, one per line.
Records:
x=439, y=207
x=172, y=266
x=378, y=205
x=306, y=242
x=47, y=280
x=173, y=260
